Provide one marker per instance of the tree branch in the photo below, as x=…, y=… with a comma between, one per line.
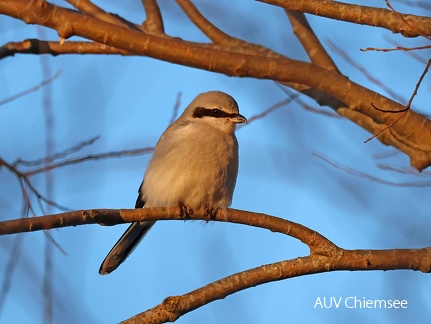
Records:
x=33, y=89
x=209, y=29
x=315, y=51
x=154, y=22
x=174, y=307
x=411, y=135
x=364, y=15
x=324, y=255
x=90, y=9
x=36, y=46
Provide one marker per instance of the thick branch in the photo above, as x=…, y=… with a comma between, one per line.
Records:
x=36, y=46
x=411, y=135
x=211, y=31
x=324, y=255
x=315, y=51
x=119, y=216
x=87, y=7
x=174, y=307
x=154, y=23
x=364, y=15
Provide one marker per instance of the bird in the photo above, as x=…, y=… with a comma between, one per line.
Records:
x=194, y=165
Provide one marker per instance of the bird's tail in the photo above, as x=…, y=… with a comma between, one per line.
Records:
x=125, y=245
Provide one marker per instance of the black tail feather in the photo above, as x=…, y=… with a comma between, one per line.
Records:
x=125, y=245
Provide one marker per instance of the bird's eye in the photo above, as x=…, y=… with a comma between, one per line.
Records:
x=216, y=111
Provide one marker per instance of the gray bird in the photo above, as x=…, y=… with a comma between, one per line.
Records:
x=194, y=165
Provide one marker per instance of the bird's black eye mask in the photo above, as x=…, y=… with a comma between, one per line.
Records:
x=214, y=112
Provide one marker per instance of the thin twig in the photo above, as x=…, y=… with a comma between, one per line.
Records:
x=418, y=4
x=367, y=176
x=24, y=177
x=267, y=111
x=298, y=100
x=403, y=170
x=420, y=32
x=412, y=54
x=406, y=109
x=398, y=48
x=176, y=108
x=34, y=89
x=58, y=155
x=56, y=244
x=386, y=155
x=90, y=157
x=363, y=70
x=90, y=9
x=9, y=271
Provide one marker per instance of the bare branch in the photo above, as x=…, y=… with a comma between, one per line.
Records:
x=315, y=51
x=408, y=23
x=90, y=157
x=35, y=46
x=412, y=54
x=364, y=15
x=398, y=48
x=406, y=109
x=404, y=135
x=364, y=71
x=176, y=107
x=370, y=177
x=324, y=255
x=337, y=260
x=209, y=29
x=57, y=156
x=266, y=112
x=109, y=217
x=9, y=271
x=90, y=9
x=28, y=91
x=235, y=45
x=403, y=170
x=386, y=155
x=24, y=177
x=415, y=92
x=420, y=4
x=154, y=22
x=304, y=105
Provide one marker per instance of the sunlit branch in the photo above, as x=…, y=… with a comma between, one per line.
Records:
x=407, y=25
x=154, y=22
x=324, y=255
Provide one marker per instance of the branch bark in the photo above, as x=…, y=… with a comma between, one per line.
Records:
x=411, y=135
x=36, y=46
x=364, y=15
x=324, y=255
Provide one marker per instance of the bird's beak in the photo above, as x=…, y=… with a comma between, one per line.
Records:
x=239, y=119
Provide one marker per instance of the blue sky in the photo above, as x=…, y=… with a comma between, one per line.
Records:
x=128, y=102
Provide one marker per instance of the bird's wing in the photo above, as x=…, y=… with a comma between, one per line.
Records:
x=140, y=201
x=127, y=242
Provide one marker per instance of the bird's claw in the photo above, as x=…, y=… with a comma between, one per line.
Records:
x=210, y=212
x=185, y=211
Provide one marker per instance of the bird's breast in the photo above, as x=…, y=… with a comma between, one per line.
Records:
x=192, y=165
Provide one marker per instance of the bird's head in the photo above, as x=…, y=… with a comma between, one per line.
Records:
x=215, y=108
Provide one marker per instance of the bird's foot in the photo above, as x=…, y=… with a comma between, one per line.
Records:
x=210, y=212
x=185, y=211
